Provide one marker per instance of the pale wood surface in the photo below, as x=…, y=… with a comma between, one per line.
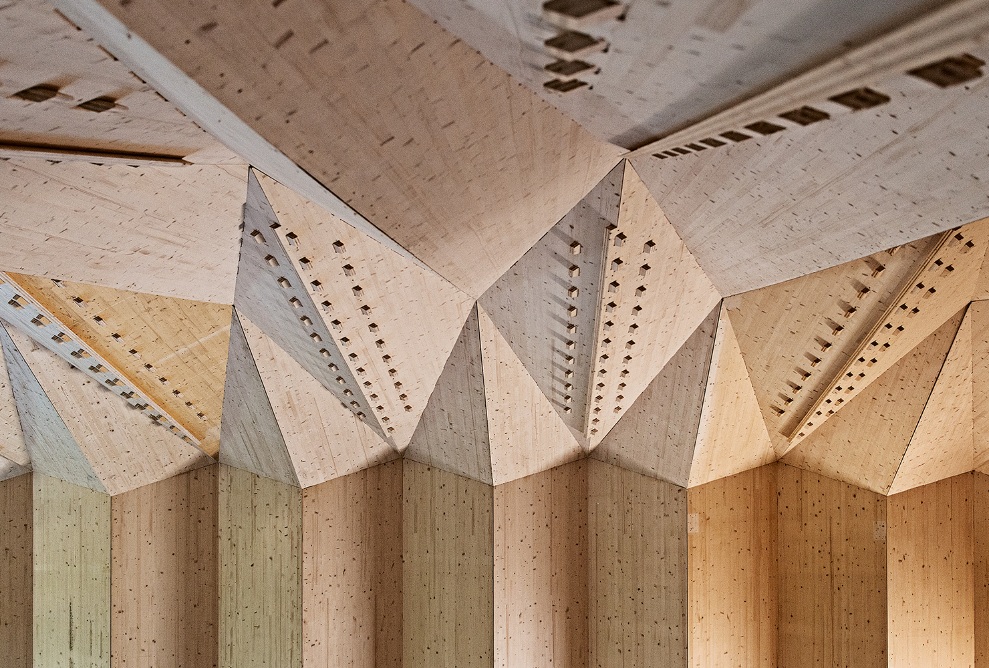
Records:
x=943, y=445
x=883, y=418
x=526, y=433
x=324, y=439
x=352, y=570
x=12, y=445
x=72, y=527
x=732, y=436
x=399, y=144
x=979, y=311
x=164, y=586
x=185, y=342
x=86, y=223
x=260, y=554
x=732, y=558
x=657, y=434
x=638, y=569
x=931, y=575
x=17, y=574
x=448, y=586
x=540, y=569
x=251, y=437
x=10, y=469
x=980, y=499
x=453, y=432
x=125, y=449
x=52, y=448
x=832, y=572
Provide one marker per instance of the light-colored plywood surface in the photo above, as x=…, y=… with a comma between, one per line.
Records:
x=453, y=432
x=51, y=447
x=732, y=436
x=9, y=469
x=164, y=585
x=260, y=554
x=324, y=439
x=979, y=312
x=252, y=440
x=12, y=445
x=448, y=569
x=17, y=574
x=657, y=434
x=732, y=557
x=72, y=528
x=526, y=433
x=540, y=569
x=931, y=575
x=352, y=570
x=832, y=572
x=980, y=510
x=88, y=223
x=638, y=569
x=883, y=417
x=943, y=444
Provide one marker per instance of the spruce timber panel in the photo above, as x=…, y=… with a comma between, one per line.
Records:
x=981, y=512
x=71, y=575
x=16, y=573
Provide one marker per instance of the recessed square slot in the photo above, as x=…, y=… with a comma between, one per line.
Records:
x=860, y=98
x=951, y=71
x=805, y=115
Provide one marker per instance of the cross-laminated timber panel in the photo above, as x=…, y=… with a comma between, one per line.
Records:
x=17, y=572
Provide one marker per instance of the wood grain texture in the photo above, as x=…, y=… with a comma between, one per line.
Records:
x=540, y=569
x=86, y=223
x=657, y=434
x=12, y=445
x=448, y=584
x=979, y=311
x=980, y=511
x=72, y=614
x=884, y=416
x=352, y=570
x=165, y=573
x=931, y=575
x=943, y=445
x=732, y=436
x=260, y=530
x=638, y=569
x=453, y=432
x=17, y=574
x=525, y=432
x=399, y=141
x=9, y=469
x=832, y=572
x=733, y=577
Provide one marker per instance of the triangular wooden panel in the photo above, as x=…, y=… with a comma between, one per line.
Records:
x=395, y=320
x=979, y=313
x=251, y=438
x=324, y=439
x=732, y=436
x=49, y=442
x=125, y=449
x=657, y=435
x=10, y=469
x=526, y=433
x=453, y=432
x=12, y=445
x=547, y=305
x=655, y=295
x=943, y=445
x=865, y=443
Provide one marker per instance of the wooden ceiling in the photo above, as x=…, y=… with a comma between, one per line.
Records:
x=305, y=240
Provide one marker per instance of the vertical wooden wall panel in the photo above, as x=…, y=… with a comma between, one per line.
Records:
x=540, y=596
x=981, y=512
x=448, y=571
x=260, y=528
x=16, y=599
x=832, y=572
x=71, y=575
x=932, y=575
x=164, y=584
x=637, y=542
x=731, y=552
x=352, y=570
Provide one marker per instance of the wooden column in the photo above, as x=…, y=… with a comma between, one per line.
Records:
x=448, y=570
x=732, y=553
x=981, y=512
x=71, y=575
x=638, y=569
x=164, y=584
x=932, y=575
x=16, y=571
x=540, y=561
x=832, y=572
